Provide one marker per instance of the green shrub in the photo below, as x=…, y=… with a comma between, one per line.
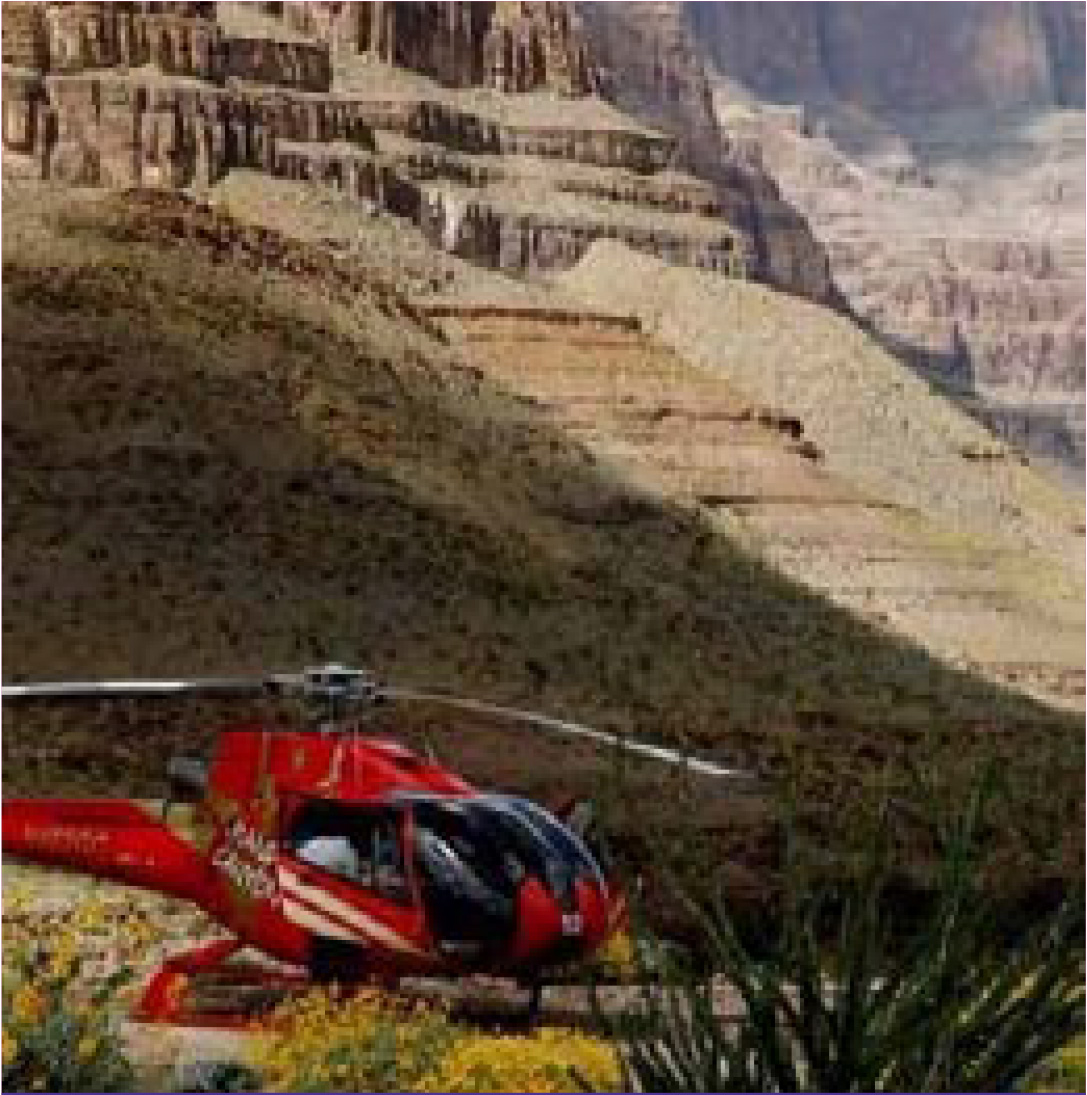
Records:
x=836, y=1001
x=54, y=1039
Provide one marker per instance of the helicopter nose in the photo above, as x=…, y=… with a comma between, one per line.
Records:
x=539, y=920
x=565, y=929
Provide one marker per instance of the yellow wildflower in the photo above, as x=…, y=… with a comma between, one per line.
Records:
x=87, y=1047
x=28, y=1004
x=11, y=1048
x=617, y=958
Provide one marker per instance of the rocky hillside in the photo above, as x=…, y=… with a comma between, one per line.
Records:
x=340, y=331
x=227, y=449
x=911, y=514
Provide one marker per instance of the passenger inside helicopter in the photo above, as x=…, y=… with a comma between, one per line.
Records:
x=359, y=844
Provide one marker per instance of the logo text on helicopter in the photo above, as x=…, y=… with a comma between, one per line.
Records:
x=247, y=858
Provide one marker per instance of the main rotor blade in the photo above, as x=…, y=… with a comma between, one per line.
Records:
x=575, y=729
x=133, y=689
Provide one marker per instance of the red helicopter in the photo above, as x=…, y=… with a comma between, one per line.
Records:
x=347, y=857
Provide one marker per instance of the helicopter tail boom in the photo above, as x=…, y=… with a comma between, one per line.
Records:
x=116, y=839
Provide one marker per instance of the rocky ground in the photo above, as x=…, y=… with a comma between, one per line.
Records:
x=172, y=1056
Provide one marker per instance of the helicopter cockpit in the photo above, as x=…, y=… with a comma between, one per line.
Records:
x=463, y=860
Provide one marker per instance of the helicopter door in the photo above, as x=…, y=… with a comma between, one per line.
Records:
x=353, y=858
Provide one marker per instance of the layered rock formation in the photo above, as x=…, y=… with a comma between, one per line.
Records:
x=652, y=65
x=174, y=39
x=181, y=94
x=870, y=488
x=485, y=125
x=510, y=47
x=530, y=46
x=112, y=129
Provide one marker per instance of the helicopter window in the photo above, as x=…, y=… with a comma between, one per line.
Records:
x=452, y=846
x=358, y=844
x=565, y=840
x=466, y=884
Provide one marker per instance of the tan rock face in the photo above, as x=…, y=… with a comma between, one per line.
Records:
x=108, y=129
x=24, y=36
x=530, y=46
x=652, y=65
x=516, y=241
x=510, y=47
x=888, y=498
x=937, y=151
x=182, y=40
x=179, y=39
x=638, y=55
x=972, y=275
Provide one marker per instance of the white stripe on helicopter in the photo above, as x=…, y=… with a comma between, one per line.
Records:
x=319, y=925
x=372, y=929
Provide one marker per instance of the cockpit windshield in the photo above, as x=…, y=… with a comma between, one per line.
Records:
x=567, y=844
x=467, y=887
x=451, y=844
x=501, y=839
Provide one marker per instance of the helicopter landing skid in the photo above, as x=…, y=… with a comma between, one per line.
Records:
x=200, y=988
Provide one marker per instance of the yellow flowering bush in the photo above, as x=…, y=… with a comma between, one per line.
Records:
x=58, y=1034
x=84, y=941
x=73, y=956
x=325, y=1041
x=380, y=1042
x=550, y=1059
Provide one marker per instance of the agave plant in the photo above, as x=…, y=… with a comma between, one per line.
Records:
x=839, y=1001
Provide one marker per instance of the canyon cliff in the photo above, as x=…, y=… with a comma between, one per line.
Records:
x=899, y=56
x=435, y=333
x=937, y=151
x=653, y=66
